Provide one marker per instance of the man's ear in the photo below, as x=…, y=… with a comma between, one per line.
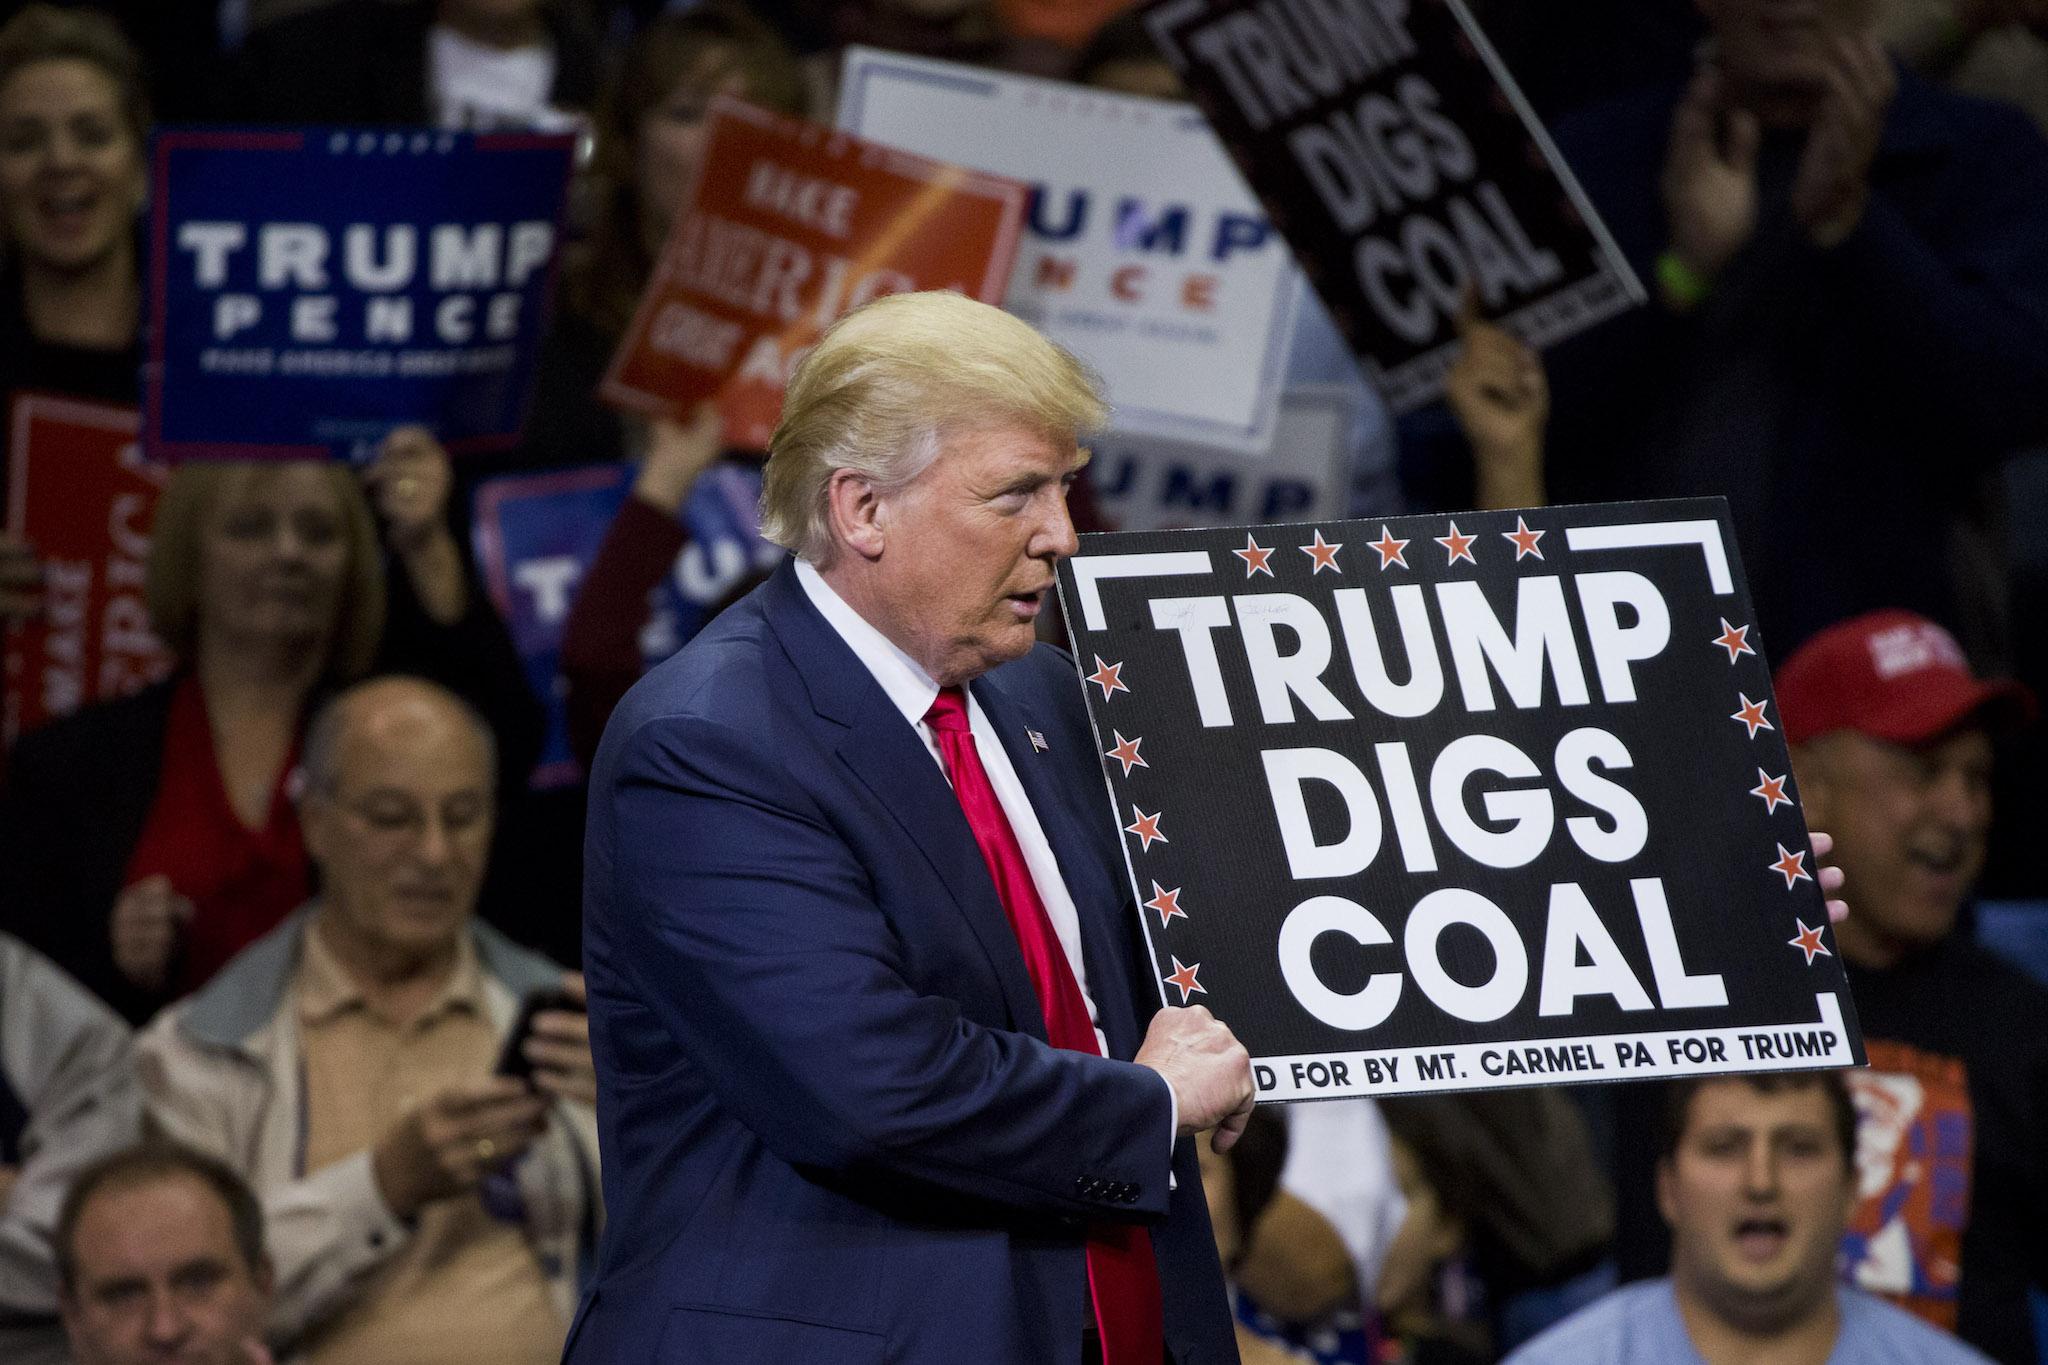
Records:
x=855, y=512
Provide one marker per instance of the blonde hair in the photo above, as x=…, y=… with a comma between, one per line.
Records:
x=177, y=549
x=889, y=380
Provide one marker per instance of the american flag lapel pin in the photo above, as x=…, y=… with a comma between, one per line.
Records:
x=1038, y=741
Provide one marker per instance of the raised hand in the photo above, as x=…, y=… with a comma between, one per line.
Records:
x=1709, y=184
x=678, y=453
x=1498, y=393
x=1832, y=183
x=410, y=482
x=143, y=931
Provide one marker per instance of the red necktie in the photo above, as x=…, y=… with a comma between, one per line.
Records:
x=1122, y=1277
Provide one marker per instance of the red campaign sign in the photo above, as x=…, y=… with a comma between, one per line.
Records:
x=789, y=226
x=79, y=492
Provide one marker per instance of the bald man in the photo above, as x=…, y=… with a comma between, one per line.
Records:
x=418, y=1206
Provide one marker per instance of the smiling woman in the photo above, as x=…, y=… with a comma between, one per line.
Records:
x=74, y=115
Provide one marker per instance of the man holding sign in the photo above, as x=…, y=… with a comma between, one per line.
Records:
x=878, y=1077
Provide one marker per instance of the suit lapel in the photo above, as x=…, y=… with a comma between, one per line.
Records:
x=1099, y=899
x=889, y=759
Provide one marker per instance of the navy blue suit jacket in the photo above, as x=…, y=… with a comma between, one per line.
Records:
x=832, y=1129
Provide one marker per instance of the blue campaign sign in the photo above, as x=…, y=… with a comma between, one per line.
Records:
x=311, y=289
x=536, y=536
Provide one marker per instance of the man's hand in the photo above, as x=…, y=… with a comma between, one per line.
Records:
x=143, y=931
x=1832, y=183
x=21, y=580
x=1831, y=878
x=559, y=1048
x=1209, y=1070
x=1498, y=393
x=1709, y=187
x=447, y=1145
x=678, y=453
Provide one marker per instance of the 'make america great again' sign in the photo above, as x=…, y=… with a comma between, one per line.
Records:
x=1456, y=802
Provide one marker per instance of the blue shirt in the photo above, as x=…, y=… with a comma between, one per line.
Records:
x=1639, y=1324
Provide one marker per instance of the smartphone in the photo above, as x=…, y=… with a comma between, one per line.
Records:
x=512, y=1059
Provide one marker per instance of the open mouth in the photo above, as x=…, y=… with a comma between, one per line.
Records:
x=1761, y=1239
x=1941, y=862
x=67, y=212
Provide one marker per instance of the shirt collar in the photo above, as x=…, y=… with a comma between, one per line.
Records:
x=326, y=990
x=909, y=688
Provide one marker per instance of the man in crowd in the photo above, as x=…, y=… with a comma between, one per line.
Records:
x=1891, y=750
x=420, y=1208
x=161, y=1251
x=1849, y=312
x=1755, y=1177
x=868, y=1002
x=67, y=1098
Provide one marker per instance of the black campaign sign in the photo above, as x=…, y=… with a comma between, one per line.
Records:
x=1454, y=802
x=1394, y=151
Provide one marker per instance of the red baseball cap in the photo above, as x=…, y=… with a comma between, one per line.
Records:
x=1893, y=675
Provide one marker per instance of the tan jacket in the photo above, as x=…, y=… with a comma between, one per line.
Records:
x=222, y=1071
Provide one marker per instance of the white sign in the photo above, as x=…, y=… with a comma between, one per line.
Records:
x=1147, y=484
x=1144, y=252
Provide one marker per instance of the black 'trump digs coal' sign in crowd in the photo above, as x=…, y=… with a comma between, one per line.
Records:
x=1452, y=802
x=1393, y=150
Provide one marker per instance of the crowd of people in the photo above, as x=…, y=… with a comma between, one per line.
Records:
x=293, y=1057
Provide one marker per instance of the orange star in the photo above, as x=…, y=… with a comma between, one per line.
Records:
x=1146, y=828
x=1806, y=941
x=1791, y=866
x=1167, y=903
x=1459, y=545
x=1392, y=551
x=1108, y=677
x=1126, y=753
x=1771, y=791
x=1323, y=553
x=1524, y=538
x=1752, y=715
x=1184, y=977
x=1734, y=639
x=1254, y=557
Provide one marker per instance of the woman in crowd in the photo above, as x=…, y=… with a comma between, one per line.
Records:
x=651, y=134
x=144, y=841
x=74, y=120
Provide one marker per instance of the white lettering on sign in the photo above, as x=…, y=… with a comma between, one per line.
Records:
x=1572, y=925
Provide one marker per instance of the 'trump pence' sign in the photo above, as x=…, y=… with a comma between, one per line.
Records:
x=1394, y=151
x=311, y=289
x=1447, y=803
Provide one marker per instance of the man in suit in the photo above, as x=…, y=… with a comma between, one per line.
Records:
x=882, y=1072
